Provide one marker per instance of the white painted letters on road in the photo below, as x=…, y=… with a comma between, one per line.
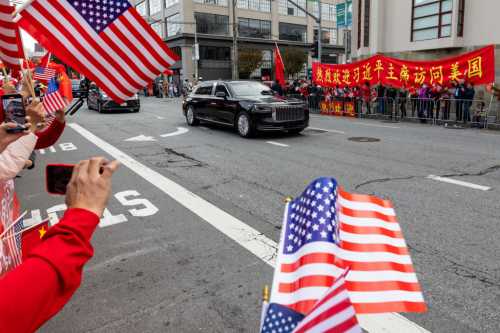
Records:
x=148, y=210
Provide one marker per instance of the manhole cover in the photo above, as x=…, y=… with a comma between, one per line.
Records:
x=314, y=131
x=363, y=139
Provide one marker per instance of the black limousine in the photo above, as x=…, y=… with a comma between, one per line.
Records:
x=248, y=106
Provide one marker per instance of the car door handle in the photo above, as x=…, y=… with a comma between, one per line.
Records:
x=213, y=103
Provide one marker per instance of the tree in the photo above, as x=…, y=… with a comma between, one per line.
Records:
x=294, y=59
x=249, y=61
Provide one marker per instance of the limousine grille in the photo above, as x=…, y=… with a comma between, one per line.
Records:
x=288, y=113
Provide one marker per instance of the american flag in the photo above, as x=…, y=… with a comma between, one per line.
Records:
x=333, y=313
x=280, y=319
x=53, y=100
x=11, y=48
x=14, y=243
x=105, y=40
x=44, y=73
x=327, y=230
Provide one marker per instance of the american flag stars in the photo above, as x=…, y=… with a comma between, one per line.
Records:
x=313, y=216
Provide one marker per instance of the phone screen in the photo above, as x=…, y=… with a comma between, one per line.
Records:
x=13, y=107
x=58, y=177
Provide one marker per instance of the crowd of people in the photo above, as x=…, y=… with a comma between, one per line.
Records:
x=426, y=102
x=35, y=288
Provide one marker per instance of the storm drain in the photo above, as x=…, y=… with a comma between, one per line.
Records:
x=363, y=139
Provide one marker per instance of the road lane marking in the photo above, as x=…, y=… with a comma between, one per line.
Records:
x=158, y=117
x=180, y=131
x=375, y=125
x=246, y=236
x=459, y=182
x=326, y=130
x=274, y=143
x=141, y=138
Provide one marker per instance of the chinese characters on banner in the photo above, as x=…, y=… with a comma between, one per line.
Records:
x=477, y=67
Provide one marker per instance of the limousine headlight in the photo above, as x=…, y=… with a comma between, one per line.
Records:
x=263, y=108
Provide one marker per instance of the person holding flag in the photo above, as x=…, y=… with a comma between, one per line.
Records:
x=279, y=72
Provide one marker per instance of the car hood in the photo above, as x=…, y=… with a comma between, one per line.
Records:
x=270, y=99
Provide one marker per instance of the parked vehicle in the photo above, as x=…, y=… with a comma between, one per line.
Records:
x=98, y=100
x=248, y=106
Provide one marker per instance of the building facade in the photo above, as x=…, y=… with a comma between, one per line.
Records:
x=261, y=24
x=424, y=29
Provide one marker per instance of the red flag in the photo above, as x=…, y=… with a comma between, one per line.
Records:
x=279, y=67
x=44, y=61
x=32, y=237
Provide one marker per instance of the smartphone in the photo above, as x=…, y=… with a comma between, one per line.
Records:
x=58, y=177
x=14, y=112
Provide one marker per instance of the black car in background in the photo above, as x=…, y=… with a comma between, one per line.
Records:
x=98, y=100
x=248, y=106
x=75, y=87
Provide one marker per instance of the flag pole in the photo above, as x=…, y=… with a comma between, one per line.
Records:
x=265, y=304
x=26, y=229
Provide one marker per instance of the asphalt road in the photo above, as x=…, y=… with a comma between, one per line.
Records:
x=159, y=267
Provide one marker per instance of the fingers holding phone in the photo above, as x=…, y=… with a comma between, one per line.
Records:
x=9, y=132
x=87, y=185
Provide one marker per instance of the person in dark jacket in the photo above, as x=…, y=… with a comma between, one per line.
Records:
x=459, y=95
x=469, y=93
x=381, y=98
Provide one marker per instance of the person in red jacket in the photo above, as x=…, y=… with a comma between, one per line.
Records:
x=40, y=287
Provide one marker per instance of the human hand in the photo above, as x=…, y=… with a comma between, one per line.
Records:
x=90, y=185
x=7, y=138
x=36, y=115
x=60, y=116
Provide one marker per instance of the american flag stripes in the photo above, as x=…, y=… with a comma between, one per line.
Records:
x=11, y=48
x=53, y=100
x=327, y=230
x=333, y=313
x=107, y=41
x=44, y=73
x=13, y=239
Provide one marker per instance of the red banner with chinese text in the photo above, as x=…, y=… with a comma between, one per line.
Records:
x=477, y=67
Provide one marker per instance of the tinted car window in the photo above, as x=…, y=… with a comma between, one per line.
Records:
x=204, y=90
x=250, y=89
x=221, y=88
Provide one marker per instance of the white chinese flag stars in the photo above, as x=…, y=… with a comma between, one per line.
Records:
x=105, y=40
x=327, y=230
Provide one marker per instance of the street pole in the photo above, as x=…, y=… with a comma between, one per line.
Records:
x=196, y=53
x=235, y=43
x=320, y=32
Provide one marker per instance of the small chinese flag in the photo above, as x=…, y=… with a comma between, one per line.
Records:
x=279, y=67
x=33, y=237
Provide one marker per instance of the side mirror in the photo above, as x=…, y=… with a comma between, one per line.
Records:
x=220, y=94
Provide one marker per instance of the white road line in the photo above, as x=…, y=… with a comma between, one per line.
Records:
x=277, y=144
x=326, y=130
x=158, y=117
x=375, y=125
x=459, y=182
x=246, y=236
x=180, y=130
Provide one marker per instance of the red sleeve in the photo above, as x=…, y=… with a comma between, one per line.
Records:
x=50, y=135
x=39, y=288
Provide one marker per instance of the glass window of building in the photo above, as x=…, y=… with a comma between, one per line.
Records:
x=154, y=6
x=254, y=28
x=158, y=27
x=215, y=53
x=288, y=9
x=173, y=26
x=460, y=23
x=328, y=36
x=293, y=32
x=431, y=19
x=213, y=2
x=141, y=8
x=212, y=24
x=259, y=5
x=328, y=11
x=170, y=3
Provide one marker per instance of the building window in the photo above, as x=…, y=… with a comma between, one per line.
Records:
x=258, y=5
x=213, y=2
x=154, y=6
x=170, y=3
x=288, y=9
x=158, y=28
x=460, y=23
x=141, y=8
x=366, y=23
x=328, y=36
x=212, y=24
x=173, y=26
x=328, y=11
x=293, y=32
x=215, y=53
x=431, y=19
x=254, y=28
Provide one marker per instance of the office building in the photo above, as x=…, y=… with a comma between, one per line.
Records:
x=261, y=24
